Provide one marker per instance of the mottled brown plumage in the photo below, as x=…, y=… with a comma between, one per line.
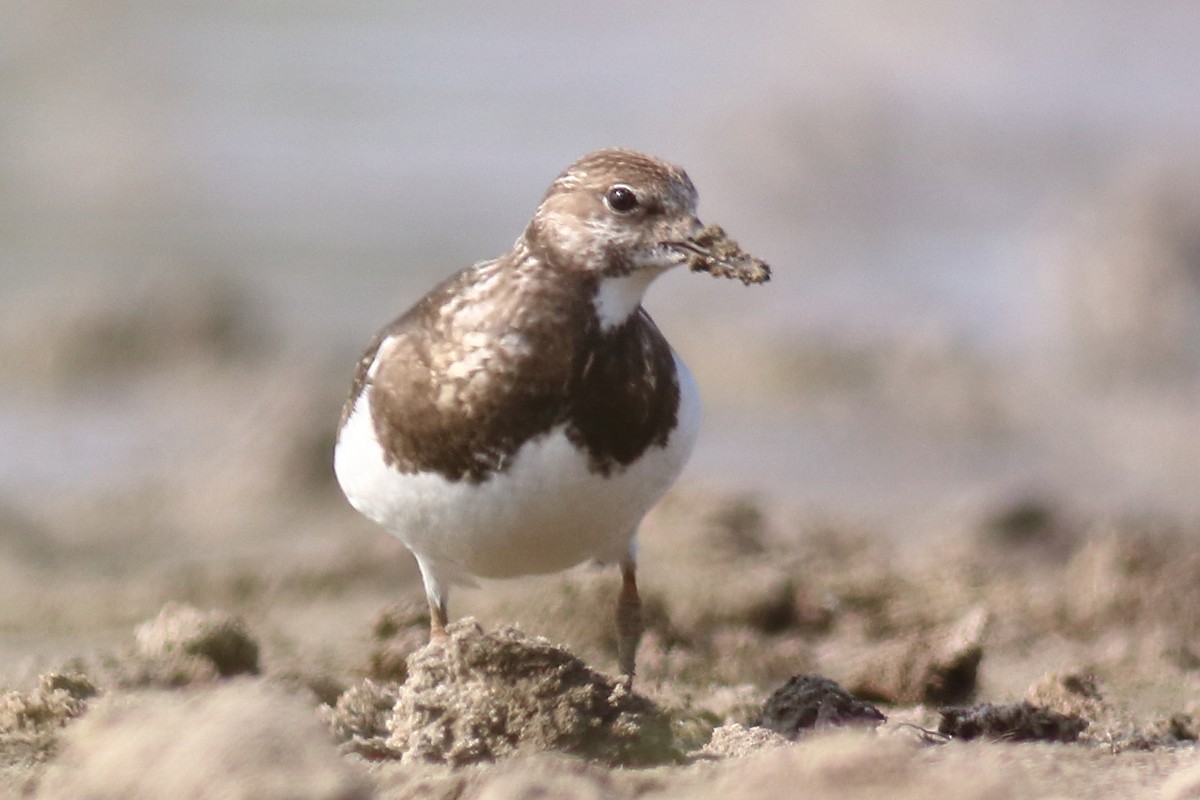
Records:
x=544, y=358
x=615, y=391
x=526, y=413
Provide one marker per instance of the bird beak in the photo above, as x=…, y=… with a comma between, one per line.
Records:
x=707, y=248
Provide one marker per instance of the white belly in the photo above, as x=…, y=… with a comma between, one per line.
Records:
x=545, y=513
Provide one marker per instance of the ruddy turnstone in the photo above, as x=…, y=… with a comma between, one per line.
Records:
x=524, y=415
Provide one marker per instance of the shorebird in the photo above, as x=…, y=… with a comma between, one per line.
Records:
x=525, y=414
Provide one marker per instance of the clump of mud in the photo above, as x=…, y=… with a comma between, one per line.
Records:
x=722, y=257
x=1011, y=722
x=360, y=718
x=1080, y=694
x=938, y=666
x=1175, y=728
x=479, y=696
x=1075, y=694
x=1070, y=707
x=183, y=646
x=736, y=740
x=814, y=701
x=30, y=721
x=57, y=698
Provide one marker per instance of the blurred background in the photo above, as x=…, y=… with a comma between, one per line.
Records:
x=983, y=217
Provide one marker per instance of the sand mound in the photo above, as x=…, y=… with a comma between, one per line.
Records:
x=30, y=721
x=360, y=718
x=938, y=666
x=482, y=696
x=57, y=698
x=183, y=646
x=737, y=741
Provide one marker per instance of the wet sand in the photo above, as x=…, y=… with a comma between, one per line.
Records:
x=1040, y=654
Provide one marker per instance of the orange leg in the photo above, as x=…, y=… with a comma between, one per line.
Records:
x=436, y=594
x=629, y=621
x=437, y=620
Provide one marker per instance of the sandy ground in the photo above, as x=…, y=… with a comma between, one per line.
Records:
x=1080, y=637
x=294, y=665
x=214, y=621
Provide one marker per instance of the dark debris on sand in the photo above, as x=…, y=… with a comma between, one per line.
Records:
x=1011, y=722
x=814, y=701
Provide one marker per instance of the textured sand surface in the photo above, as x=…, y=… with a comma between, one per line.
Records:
x=221, y=624
x=1068, y=692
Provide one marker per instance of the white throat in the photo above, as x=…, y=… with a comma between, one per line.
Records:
x=618, y=297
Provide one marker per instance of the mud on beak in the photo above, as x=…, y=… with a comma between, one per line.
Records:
x=709, y=249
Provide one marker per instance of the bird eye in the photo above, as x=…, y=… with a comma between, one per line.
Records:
x=621, y=199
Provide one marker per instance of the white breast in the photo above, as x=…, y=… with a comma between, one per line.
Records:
x=545, y=513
